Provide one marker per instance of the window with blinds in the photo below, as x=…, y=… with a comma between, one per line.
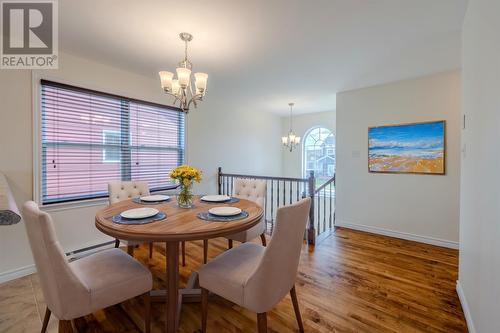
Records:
x=90, y=138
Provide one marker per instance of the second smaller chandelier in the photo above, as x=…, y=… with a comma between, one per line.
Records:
x=291, y=140
x=181, y=87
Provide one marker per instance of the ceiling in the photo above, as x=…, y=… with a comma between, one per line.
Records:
x=261, y=54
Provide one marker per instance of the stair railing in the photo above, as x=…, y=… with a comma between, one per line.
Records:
x=282, y=191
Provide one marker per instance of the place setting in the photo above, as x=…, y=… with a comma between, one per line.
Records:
x=218, y=198
x=151, y=199
x=142, y=215
x=223, y=214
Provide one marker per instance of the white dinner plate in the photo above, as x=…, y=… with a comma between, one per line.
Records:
x=155, y=198
x=139, y=213
x=216, y=198
x=224, y=211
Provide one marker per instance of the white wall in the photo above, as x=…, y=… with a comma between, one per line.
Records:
x=292, y=161
x=239, y=140
x=479, y=272
x=422, y=207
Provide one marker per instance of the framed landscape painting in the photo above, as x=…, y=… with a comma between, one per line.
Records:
x=418, y=148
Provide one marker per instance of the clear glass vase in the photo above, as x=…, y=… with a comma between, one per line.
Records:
x=185, y=197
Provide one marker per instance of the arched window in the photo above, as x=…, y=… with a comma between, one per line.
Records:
x=319, y=154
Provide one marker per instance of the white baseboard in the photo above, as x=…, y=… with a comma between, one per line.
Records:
x=74, y=255
x=465, y=307
x=398, y=234
x=17, y=273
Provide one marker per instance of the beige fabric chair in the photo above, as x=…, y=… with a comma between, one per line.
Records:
x=257, y=277
x=253, y=190
x=125, y=190
x=72, y=290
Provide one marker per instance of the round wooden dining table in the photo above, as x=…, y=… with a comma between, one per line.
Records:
x=180, y=224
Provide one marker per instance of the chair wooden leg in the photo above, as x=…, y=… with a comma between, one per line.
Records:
x=204, y=309
x=130, y=250
x=229, y=243
x=205, y=251
x=150, y=250
x=293, y=295
x=263, y=239
x=183, y=246
x=262, y=322
x=117, y=243
x=74, y=327
x=65, y=326
x=147, y=312
x=45, y=320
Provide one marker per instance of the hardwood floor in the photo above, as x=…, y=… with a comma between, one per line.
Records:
x=351, y=282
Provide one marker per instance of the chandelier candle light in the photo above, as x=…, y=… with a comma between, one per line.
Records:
x=181, y=87
x=291, y=141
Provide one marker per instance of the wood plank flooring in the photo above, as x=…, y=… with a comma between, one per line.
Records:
x=351, y=282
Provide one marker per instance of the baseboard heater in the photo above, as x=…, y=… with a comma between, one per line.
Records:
x=86, y=251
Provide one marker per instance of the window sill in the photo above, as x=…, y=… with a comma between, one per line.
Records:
x=74, y=205
x=88, y=203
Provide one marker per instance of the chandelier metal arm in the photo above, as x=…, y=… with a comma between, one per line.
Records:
x=183, y=91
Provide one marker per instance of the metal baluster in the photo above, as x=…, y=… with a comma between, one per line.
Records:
x=277, y=194
x=272, y=204
x=265, y=205
x=324, y=209
x=232, y=187
x=290, y=184
x=331, y=211
x=318, y=219
x=284, y=193
x=298, y=190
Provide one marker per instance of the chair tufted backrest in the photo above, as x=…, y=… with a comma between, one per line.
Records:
x=120, y=190
x=251, y=189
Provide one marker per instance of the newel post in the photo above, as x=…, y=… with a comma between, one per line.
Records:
x=219, y=180
x=311, y=232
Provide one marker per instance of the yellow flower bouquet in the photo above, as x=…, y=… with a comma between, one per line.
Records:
x=186, y=175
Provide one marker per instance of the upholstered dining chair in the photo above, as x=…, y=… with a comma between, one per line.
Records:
x=76, y=289
x=125, y=190
x=254, y=190
x=257, y=277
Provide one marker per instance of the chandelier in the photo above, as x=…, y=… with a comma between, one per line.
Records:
x=181, y=88
x=291, y=140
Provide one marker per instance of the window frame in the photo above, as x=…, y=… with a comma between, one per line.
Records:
x=305, y=171
x=37, y=80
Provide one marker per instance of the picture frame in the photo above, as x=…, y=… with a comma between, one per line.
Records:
x=408, y=148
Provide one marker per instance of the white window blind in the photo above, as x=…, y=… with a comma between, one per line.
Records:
x=90, y=138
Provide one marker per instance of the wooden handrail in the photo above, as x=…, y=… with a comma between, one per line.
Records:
x=328, y=182
x=286, y=190
x=304, y=180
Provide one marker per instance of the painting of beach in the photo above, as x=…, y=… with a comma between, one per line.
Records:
x=407, y=148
